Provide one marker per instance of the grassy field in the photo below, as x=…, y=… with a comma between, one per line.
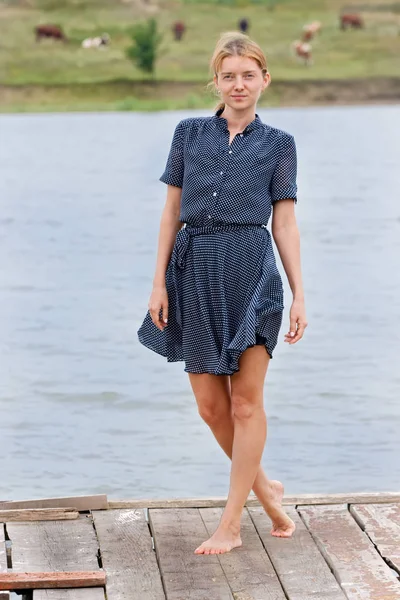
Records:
x=52, y=75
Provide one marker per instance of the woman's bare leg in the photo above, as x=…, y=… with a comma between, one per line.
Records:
x=213, y=396
x=239, y=425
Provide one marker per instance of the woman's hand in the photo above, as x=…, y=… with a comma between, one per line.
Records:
x=298, y=321
x=159, y=302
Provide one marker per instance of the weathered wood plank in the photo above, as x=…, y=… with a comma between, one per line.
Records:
x=4, y=595
x=70, y=594
x=95, y=502
x=127, y=555
x=220, y=501
x=54, y=545
x=298, y=562
x=26, y=581
x=381, y=522
x=177, y=533
x=248, y=569
x=38, y=514
x=3, y=550
x=357, y=566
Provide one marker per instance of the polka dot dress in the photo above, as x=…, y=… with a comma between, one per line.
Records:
x=225, y=292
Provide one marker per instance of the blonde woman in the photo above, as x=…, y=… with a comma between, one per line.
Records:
x=217, y=297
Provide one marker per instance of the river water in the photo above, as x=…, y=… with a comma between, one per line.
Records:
x=84, y=408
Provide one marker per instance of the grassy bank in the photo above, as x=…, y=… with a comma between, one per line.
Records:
x=53, y=76
x=142, y=96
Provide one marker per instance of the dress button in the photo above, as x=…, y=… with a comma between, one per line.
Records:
x=215, y=193
x=221, y=172
x=209, y=216
x=241, y=135
x=230, y=151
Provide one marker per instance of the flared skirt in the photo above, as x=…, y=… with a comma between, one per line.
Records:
x=225, y=294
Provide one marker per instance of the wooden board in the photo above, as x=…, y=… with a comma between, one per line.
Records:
x=54, y=545
x=26, y=581
x=68, y=594
x=3, y=550
x=37, y=514
x=248, y=569
x=177, y=532
x=4, y=595
x=361, y=497
x=297, y=560
x=381, y=522
x=127, y=555
x=356, y=564
x=96, y=502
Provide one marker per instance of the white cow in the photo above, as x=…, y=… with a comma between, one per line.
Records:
x=96, y=42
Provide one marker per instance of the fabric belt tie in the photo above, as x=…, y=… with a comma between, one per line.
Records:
x=185, y=234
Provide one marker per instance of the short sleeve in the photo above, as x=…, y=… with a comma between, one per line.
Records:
x=283, y=181
x=173, y=173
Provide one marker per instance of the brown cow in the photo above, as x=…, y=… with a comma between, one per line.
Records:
x=303, y=51
x=49, y=31
x=178, y=29
x=351, y=20
x=310, y=30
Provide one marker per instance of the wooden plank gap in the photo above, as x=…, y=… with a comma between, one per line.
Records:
x=8, y=546
x=98, y=554
x=381, y=524
x=156, y=554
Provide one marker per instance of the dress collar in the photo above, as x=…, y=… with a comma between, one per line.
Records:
x=222, y=122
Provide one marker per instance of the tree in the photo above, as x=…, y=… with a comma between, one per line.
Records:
x=146, y=40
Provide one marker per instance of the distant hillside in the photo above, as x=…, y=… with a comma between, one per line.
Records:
x=338, y=55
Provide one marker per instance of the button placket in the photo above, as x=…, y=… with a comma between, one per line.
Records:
x=215, y=193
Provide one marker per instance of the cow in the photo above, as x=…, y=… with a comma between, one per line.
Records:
x=96, y=42
x=243, y=25
x=351, y=20
x=303, y=51
x=49, y=31
x=178, y=29
x=310, y=30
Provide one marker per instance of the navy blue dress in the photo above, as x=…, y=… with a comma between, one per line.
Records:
x=225, y=292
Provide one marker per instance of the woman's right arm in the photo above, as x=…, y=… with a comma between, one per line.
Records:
x=169, y=227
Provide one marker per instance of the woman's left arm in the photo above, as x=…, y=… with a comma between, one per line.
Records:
x=287, y=239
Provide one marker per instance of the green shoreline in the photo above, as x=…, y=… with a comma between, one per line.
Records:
x=145, y=95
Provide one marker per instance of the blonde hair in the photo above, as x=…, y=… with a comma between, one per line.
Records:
x=234, y=43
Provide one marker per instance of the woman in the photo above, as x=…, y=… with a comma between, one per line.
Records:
x=217, y=297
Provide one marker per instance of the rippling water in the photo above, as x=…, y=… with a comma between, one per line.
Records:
x=84, y=408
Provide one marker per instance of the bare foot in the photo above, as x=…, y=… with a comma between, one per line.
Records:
x=283, y=526
x=223, y=540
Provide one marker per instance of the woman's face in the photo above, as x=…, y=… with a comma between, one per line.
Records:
x=240, y=81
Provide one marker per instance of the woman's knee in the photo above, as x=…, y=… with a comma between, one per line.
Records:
x=244, y=406
x=213, y=409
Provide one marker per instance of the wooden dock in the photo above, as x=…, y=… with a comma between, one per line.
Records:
x=346, y=546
